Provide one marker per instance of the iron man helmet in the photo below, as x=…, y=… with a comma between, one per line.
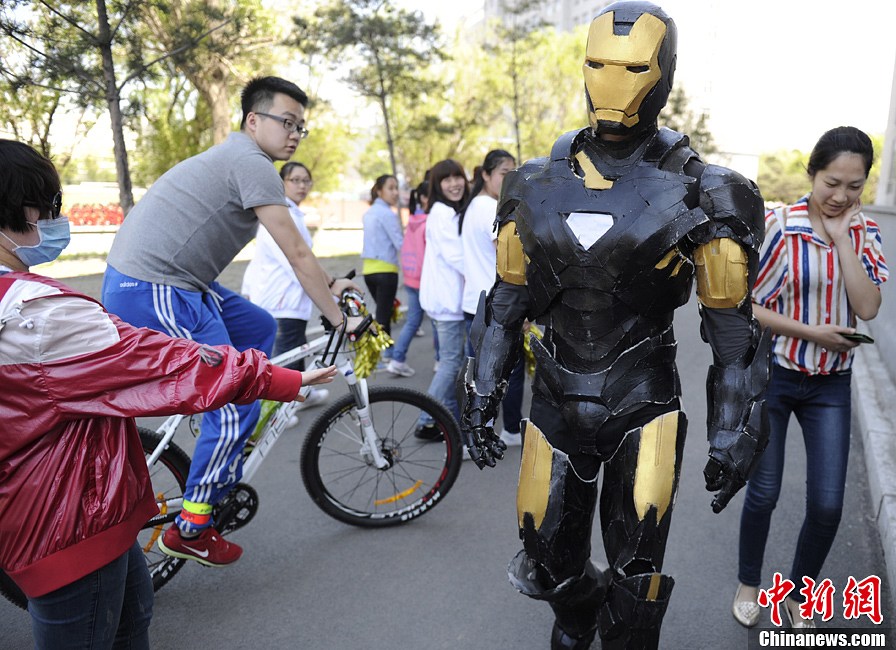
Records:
x=629, y=65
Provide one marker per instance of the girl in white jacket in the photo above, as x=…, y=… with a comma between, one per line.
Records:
x=442, y=282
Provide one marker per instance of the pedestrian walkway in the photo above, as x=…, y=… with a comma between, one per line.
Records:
x=308, y=581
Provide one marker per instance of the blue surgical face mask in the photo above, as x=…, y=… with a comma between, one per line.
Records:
x=54, y=237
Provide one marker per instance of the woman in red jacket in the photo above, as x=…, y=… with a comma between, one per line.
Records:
x=74, y=488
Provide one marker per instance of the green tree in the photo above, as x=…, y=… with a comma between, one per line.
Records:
x=176, y=124
x=327, y=149
x=71, y=47
x=783, y=175
x=513, y=42
x=29, y=113
x=90, y=51
x=679, y=116
x=383, y=46
x=232, y=41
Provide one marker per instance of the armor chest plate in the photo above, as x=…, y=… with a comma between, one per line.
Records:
x=639, y=264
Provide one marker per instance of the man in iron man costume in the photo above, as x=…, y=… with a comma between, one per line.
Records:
x=598, y=244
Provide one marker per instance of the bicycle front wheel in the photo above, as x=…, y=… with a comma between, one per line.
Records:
x=344, y=482
x=169, y=479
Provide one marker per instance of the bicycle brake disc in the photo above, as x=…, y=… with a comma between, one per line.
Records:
x=236, y=509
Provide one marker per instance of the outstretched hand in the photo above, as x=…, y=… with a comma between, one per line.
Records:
x=317, y=376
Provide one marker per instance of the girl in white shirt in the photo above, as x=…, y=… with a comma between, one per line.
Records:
x=479, y=237
x=442, y=282
x=271, y=283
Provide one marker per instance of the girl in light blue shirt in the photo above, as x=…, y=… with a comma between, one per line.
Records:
x=382, y=243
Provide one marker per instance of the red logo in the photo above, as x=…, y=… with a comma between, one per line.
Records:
x=860, y=598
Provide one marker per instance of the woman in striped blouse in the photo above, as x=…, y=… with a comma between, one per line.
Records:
x=820, y=268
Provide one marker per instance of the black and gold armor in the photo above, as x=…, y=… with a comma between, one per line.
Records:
x=599, y=244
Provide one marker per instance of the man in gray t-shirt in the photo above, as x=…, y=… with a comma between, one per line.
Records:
x=162, y=272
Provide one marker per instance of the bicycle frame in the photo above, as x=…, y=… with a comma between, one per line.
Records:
x=275, y=426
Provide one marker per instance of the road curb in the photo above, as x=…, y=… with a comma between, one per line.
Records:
x=873, y=395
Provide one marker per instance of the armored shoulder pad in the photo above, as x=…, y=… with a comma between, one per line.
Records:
x=514, y=187
x=733, y=204
x=563, y=146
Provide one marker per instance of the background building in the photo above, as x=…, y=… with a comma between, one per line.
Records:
x=562, y=14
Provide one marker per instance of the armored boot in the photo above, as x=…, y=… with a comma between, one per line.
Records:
x=632, y=613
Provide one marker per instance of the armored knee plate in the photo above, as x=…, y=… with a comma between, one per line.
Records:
x=555, y=510
x=638, y=494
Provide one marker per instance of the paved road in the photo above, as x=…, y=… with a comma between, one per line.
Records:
x=308, y=581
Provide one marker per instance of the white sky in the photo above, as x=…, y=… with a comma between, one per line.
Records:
x=773, y=74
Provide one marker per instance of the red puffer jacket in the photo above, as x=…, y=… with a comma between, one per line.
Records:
x=74, y=489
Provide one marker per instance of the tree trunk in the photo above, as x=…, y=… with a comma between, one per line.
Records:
x=390, y=144
x=125, y=193
x=514, y=78
x=214, y=89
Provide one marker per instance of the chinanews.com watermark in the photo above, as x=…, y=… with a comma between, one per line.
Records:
x=834, y=637
x=860, y=599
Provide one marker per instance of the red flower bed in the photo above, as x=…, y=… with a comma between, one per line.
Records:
x=95, y=215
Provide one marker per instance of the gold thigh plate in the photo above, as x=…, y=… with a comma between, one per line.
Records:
x=535, y=476
x=511, y=258
x=655, y=472
x=721, y=273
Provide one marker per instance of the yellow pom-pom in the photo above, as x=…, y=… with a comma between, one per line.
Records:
x=527, y=349
x=369, y=348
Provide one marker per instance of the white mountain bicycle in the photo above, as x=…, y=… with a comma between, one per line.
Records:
x=361, y=462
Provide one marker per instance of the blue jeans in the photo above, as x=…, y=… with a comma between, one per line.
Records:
x=412, y=323
x=822, y=405
x=512, y=404
x=444, y=385
x=290, y=334
x=109, y=608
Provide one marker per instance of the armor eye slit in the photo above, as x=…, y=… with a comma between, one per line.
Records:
x=637, y=69
x=596, y=65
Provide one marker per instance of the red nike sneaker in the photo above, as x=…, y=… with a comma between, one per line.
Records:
x=208, y=548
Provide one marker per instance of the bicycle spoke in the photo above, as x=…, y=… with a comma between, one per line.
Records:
x=345, y=481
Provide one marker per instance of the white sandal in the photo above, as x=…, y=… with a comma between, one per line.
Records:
x=746, y=612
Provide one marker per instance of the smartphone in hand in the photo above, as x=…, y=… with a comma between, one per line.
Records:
x=859, y=337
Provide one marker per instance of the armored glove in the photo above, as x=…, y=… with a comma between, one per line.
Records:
x=737, y=423
x=483, y=445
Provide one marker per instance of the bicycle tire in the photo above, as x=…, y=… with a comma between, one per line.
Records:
x=169, y=480
x=352, y=490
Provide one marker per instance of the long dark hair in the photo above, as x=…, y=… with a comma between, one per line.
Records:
x=439, y=172
x=492, y=159
x=418, y=195
x=843, y=139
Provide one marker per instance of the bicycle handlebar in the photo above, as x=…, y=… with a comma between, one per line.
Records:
x=352, y=305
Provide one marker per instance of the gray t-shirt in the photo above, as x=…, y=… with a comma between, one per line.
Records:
x=197, y=216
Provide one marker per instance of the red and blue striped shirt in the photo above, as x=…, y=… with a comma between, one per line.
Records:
x=800, y=277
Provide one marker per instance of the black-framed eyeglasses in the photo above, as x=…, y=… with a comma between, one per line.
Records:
x=55, y=205
x=290, y=125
